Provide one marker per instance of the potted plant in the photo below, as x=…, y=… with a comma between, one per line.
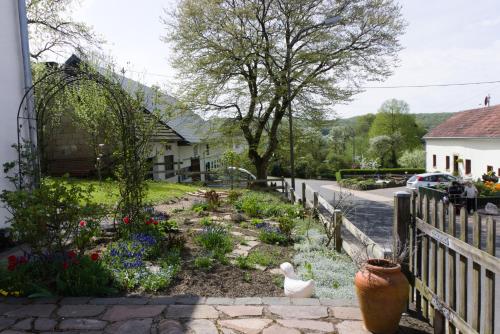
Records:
x=382, y=291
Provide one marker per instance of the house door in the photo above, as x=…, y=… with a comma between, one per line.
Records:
x=195, y=168
x=455, y=163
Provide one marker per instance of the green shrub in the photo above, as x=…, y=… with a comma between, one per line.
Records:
x=46, y=218
x=203, y=263
x=259, y=205
x=206, y=222
x=243, y=263
x=255, y=221
x=215, y=239
x=272, y=237
x=234, y=195
x=286, y=226
x=264, y=259
x=199, y=207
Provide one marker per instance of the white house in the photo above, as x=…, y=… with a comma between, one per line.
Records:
x=467, y=144
x=184, y=142
x=12, y=84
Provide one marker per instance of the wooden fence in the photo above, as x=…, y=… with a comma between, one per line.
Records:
x=455, y=278
x=334, y=218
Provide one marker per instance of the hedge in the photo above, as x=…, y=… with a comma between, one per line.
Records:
x=383, y=171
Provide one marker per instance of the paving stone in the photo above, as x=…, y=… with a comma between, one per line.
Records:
x=259, y=267
x=241, y=310
x=351, y=327
x=192, y=311
x=78, y=311
x=307, y=324
x=74, y=300
x=162, y=301
x=82, y=324
x=219, y=301
x=4, y=308
x=248, y=301
x=6, y=322
x=276, y=271
x=276, y=300
x=252, y=243
x=24, y=324
x=41, y=310
x=275, y=329
x=45, y=324
x=125, y=312
x=239, y=252
x=202, y=326
x=349, y=313
x=12, y=331
x=305, y=301
x=170, y=327
x=119, y=301
x=136, y=326
x=47, y=300
x=247, y=326
x=299, y=312
x=189, y=300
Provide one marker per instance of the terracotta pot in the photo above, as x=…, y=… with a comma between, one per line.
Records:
x=382, y=291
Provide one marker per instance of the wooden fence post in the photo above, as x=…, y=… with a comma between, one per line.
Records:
x=315, y=200
x=292, y=195
x=401, y=226
x=304, y=204
x=337, y=214
x=286, y=190
x=282, y=184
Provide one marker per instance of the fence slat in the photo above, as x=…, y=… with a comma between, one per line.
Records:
x=425, y=258
x=464, y=232
x=491, y=234
x=338, y=232
x=476, y=230
x=474, y=309
x=304, y=200
x=452, y=220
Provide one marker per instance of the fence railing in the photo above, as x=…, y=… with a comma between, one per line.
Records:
x=328, y=214
x=455, y=277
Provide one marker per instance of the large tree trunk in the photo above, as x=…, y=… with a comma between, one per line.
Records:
x=261, y=167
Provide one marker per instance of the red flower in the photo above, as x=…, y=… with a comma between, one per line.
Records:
x=83, y=223
x=23, y=260
x=65, y=265
x=11, y=266
x=149, y=221
x=12, y=259
x=126, y=220
x=155, y=222
x=71, y=254
x=94, y=256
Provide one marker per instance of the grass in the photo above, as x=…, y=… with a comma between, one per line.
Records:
x=106, y=192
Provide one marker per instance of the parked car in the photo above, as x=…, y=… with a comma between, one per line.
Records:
x=429, y=180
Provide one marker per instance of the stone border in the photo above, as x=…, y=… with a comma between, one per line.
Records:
x=180, y=300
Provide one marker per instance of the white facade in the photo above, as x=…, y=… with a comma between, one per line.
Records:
x=475, y=155
x=11, y=87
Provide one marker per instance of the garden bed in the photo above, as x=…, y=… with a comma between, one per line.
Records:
x=369, y=183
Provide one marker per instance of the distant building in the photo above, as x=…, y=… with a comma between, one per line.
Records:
x=467, y=144
x=183, y=143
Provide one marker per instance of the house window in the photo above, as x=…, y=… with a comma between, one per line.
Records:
x=455, y=163
x=208, y=149
x=467, y=166
x=169, y=162
x=498, y=172
x=447, y=162
x=195, y=150
x=434, y=160
x=489, y=168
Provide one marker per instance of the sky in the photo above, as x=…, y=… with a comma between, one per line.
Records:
x=446, y=41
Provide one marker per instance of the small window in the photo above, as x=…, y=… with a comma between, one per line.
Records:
x=467, y=166
x=447, y=162
x=489, y=168
x=433, y=160
x=195, y=151
x=208, y=149
x=169, y=162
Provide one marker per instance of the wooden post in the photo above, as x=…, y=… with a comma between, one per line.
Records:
x=292, y=195
x=304, y=203
x=401, y=225
x=282, y=184
x=337, y=214
x=315, y=200
x=286, y=190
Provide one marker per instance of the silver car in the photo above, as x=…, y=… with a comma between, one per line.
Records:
x=429, y=180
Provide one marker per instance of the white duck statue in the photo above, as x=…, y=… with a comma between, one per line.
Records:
x=294, y=287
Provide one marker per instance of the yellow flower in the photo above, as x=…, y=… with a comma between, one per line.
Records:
x=4, y=293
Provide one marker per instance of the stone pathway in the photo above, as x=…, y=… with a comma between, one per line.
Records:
x=174, y=315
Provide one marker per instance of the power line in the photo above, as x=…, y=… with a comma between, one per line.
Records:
x=434, y=85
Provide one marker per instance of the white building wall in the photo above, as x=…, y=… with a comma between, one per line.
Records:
x=11, y=87
x=481, y=152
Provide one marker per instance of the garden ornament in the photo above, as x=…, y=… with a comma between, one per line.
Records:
x=294, y=287
x=491, y=209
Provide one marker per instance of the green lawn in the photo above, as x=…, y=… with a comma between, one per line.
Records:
x=106, y=192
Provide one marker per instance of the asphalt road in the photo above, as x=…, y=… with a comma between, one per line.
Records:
x=372, y=213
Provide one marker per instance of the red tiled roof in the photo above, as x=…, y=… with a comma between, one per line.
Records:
x=474, y=123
